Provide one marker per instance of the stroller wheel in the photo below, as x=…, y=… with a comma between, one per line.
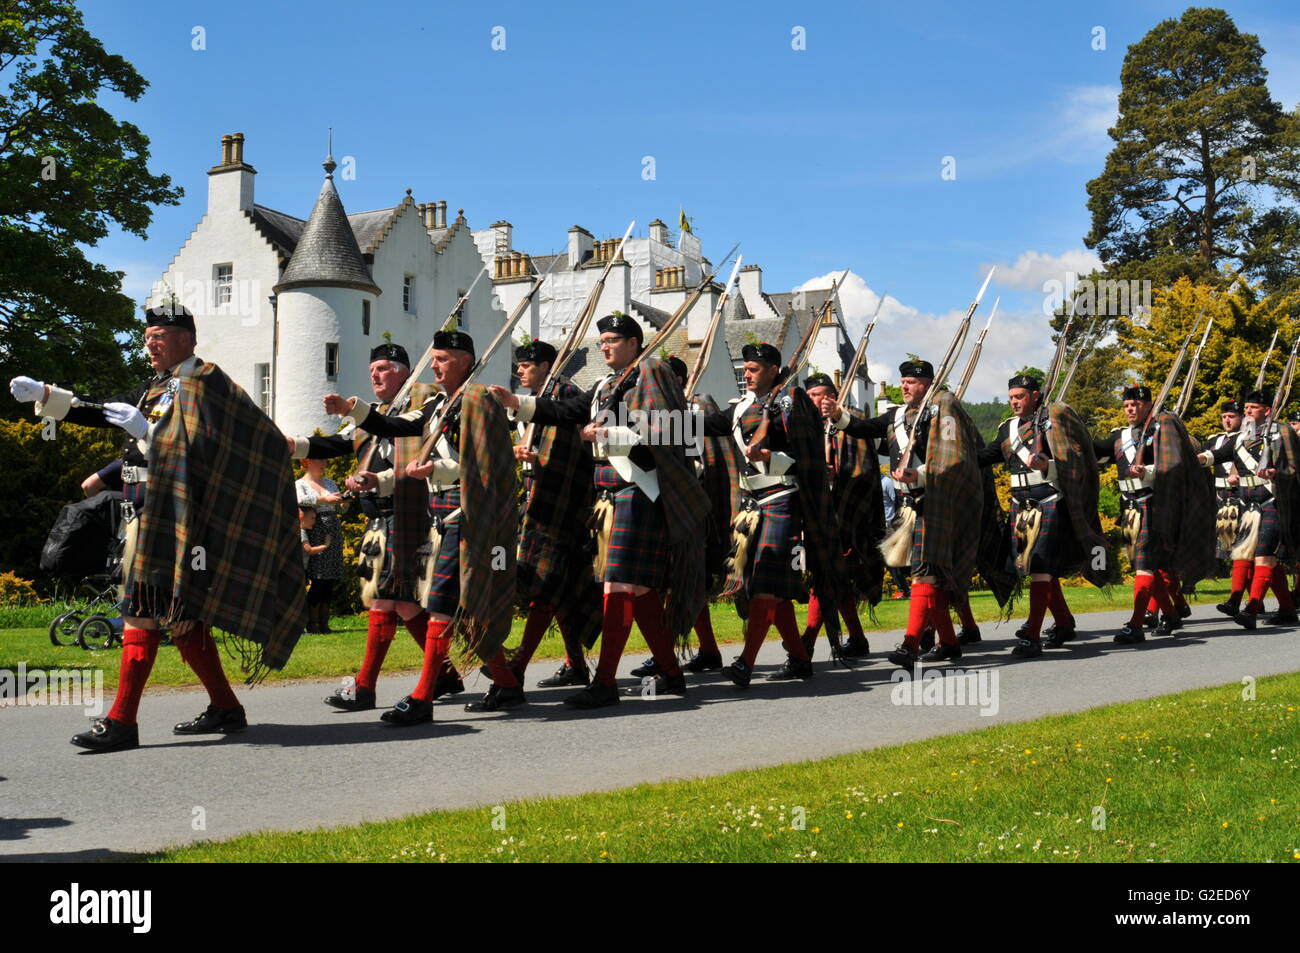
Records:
x=96, y=632
x=63, y=630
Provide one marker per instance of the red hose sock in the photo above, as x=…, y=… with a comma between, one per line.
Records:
x=1143, y=587
x=538, y=621
x=502, y=675
x=418, y=626
x=918, y=614
x=704, y=631
x=437, y=647
x=967, y=617
x=849, y=612
x=1039, y=594
x=1160, y=592
x=1057, y=605
x=940, y=617
x=139, y=650
x=1280, y=589
x=616, y=627
x=200, y=653
x=648, y=610
x=1173, y=588
x=1259, y=586
x=788, y=626
x=762, y=613
x=1241, y=571
x=381, y=627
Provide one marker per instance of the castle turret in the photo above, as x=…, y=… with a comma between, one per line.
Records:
x=325, y=285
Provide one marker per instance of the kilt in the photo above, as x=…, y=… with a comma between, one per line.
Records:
x=638, y=549
x=142, y=600
x=444, y=591
x=1260, y=499
x=918, y=567
x=771, y=570
x=1054, y=534
x=389, y=588
x=549, y=570
x=1143, y=560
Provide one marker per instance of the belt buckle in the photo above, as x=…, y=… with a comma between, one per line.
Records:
x=128, y=511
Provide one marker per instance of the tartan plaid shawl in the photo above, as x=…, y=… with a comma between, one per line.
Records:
x=686, y=507
x=954, y=496
x=220, y=478
x=993, y=559
x=410, y=497
x=824, y=557
x=860, y=511
x=1077, y=475
x=1183, y=508
x=1286, y=491
x=487, y=525
x=721, y=479
x=562, y=492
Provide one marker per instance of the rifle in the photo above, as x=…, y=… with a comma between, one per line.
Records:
x=858, y=355
x=1058, y=358
x=790, y=373
x=453, y=399
x=1185, y=398
x=706, y=349
x=1074, y=364
x=975, y=353
x=948, y=358
x=1263, y=367
x=577, y=332
x=1172, y=376
x=419, y=368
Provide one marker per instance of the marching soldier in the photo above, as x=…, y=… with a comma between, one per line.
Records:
x=1256, y=453
x=1166, y=530
x=1228, y=496
x=554, y=564
x=250, y=582
x=859, y=504
x=940, y=501
x=767, y=576
x=650, y=513
x=395, y=508
x=1053, y=505
x=470, y=452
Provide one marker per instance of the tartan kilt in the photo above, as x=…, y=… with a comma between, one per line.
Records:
x=638, y=552
x=1260, y=499
x=547, y=570
x=1055, y=536
x=918, y=567
x=444, y=591
x=771, y=569
x=1143, y=560
x=142, y=600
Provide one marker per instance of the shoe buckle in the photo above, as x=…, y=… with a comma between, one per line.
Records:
x=99, y=727
x=349, y=690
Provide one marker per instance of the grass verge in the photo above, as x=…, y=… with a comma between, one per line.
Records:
x=1198, y=776
x=338, y=654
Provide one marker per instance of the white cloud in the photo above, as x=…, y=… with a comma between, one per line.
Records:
x=1016, y=339
x=1034, y=269
x=1088, y=112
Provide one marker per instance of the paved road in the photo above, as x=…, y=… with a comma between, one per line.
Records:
x=302, y=765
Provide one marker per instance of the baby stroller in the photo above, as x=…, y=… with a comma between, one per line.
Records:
x=86, y=543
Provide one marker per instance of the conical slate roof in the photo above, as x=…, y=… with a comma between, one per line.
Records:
x=327, y=254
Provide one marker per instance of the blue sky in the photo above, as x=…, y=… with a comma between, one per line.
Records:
x=818, y=159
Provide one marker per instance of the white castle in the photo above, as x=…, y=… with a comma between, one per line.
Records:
x=291, y=308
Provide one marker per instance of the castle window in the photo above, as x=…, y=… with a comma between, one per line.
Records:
x=365, y=317
x=332, y=361
x=408, y=294
x=262, y=386
x=224, y=282
x=740, y=378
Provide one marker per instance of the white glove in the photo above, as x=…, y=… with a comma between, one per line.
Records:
x=128, y=418
x=26, y=390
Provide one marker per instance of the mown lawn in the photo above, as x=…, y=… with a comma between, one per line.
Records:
x=1205, y=775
